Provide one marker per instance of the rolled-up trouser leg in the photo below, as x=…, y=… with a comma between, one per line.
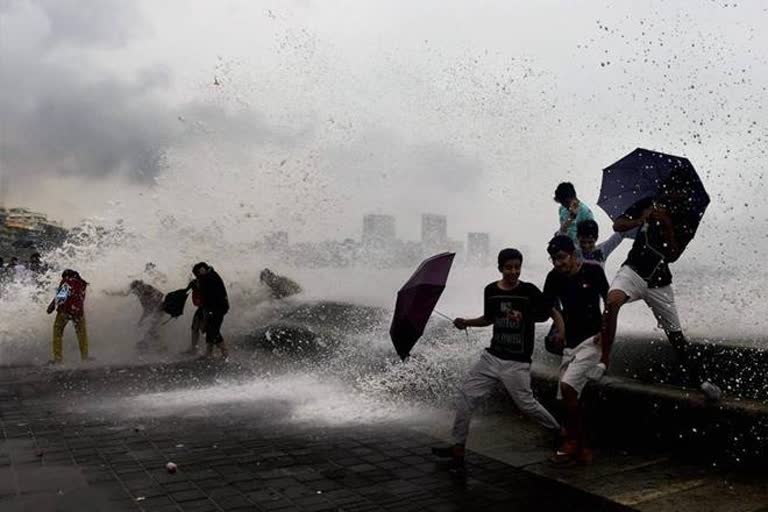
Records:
x=58, y=335
x=81, y=330
x=481, y=379
x=516, y=377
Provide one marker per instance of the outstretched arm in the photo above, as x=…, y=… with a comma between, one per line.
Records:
x=624, y=223
x=463, y=323
x=610, y=244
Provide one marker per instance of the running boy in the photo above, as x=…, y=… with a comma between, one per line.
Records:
x=513, y=307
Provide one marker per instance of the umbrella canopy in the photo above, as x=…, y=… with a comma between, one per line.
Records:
x=644, y=173
x=416, y=300
x=173, y=303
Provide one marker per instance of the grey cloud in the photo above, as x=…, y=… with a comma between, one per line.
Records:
x=89, y=22
x=242, y=126
x=60, y=117
x=68, y=125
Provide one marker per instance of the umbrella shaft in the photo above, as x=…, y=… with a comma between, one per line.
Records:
x=443, y=315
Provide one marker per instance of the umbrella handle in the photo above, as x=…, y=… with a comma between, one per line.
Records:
x=438, y=313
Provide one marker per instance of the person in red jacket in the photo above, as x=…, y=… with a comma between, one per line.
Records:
x=69, y=304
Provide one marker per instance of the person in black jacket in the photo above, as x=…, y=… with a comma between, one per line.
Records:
x=215, y=304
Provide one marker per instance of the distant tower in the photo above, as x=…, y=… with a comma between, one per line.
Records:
x=478, y=249
x=3, y=189
x=434, y=232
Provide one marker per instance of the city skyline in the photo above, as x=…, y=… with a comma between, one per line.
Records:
x=378, y=243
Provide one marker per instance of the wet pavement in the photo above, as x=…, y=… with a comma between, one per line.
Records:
x=237, y=455
x=99, y=438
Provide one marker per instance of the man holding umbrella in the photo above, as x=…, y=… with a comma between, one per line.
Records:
x=512, y=307
x=666, y=223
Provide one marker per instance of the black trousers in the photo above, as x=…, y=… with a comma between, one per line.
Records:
x=213, y=321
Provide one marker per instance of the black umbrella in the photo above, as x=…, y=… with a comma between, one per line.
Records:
x=644, y=173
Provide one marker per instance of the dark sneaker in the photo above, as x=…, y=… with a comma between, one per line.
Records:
x=444, y=452
x=555, y=437
x=455, y=451
x=456, y=454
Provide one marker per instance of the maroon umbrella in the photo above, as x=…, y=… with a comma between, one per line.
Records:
x=416, y=300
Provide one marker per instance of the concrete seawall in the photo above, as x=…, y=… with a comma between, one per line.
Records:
x=641, y=400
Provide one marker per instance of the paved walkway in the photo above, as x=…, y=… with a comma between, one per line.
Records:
x=61, y=450
x=55, y=456
x=645, y=480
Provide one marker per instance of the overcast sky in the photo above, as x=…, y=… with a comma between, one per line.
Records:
x=314, y=112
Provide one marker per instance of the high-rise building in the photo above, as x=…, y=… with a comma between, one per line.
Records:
x=378, y=230
x=434, y=232
x=3, y=189
x=478, y=248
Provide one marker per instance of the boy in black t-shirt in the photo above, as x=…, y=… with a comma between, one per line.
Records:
x=512, y=307
x=665, y=227
x=578, y=287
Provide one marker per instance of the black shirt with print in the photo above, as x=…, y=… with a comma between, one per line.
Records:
x=579, y=295
x=512, y=339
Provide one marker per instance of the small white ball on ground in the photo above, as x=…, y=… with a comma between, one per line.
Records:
x=170, y=467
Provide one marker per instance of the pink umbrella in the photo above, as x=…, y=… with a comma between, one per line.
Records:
x=416, y=301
